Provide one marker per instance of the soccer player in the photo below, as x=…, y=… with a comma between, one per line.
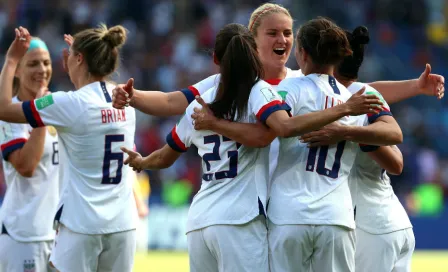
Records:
x=30, y=164
x=97, y=213
x=384, y=237
x=234, y=175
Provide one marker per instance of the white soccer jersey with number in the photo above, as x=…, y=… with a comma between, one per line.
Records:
x=96, y=199
x=235, y=177
x=310, y=185
x=29, y=205
x=204, y=85
x=378, y=210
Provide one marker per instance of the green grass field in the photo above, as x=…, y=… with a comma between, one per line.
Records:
x=423, y=261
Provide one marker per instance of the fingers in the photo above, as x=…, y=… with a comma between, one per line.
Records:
x=129, y=85
x=374, y=100
x=201, y=102
x=427, y=70
x=360, y=92
x=64, y=59
x=120, y=98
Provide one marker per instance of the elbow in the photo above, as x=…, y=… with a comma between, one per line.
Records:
x=396, y=137
x=285, y=131
x=26, y=171
x=396, y=168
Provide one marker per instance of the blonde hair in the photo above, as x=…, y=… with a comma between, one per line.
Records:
x=261, y=12
x=100, y=48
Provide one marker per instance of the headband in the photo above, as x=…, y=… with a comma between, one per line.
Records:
x=37, y=43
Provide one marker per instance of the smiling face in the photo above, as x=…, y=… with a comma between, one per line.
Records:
x=34, y=71
x=274, y=39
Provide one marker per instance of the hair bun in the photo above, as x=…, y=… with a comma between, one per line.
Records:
x=361, y=35
x=115, y=35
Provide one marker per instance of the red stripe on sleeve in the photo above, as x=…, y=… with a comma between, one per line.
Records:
x=267, y=106
x=36, y=114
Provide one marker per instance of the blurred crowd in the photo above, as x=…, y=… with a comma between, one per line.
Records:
x=169, y=48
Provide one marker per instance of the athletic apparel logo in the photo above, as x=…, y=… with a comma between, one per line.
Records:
x=283, y=95
x=269, y=94
x=29, y=266
x=44, y=102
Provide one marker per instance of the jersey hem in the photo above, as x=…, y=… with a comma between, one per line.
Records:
x=385, y=231
x=223, y=222
x=297, y=221
x=102, y=231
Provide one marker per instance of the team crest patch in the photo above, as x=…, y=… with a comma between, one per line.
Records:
x=29, y=266
x=269, y=94
x=44, y=102
x=51, y=130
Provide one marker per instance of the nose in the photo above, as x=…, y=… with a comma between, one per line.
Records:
x=281, y=38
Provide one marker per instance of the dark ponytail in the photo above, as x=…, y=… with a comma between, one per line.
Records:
x=349, y=67
x=324, y=41
x=240, y=69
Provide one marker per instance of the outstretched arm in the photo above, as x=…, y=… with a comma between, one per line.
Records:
x=427, y=84
x=159, y=159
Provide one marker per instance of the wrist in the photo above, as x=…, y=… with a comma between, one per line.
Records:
x=346, y=132
x=135, y=97
x=11, y=61
x=343, y=110
x=416, y=87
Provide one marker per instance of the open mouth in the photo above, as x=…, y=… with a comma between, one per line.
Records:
x=279, y=51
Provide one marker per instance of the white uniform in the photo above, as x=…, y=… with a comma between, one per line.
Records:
x=96, y=199
x=27, y=212
x=204, y=85
x=225, y=231
x=310, y=200
x=384, y=236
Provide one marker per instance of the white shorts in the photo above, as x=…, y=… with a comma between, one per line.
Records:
x=311, y=248
x=384, y=252
x=74, y=252
x=230, y=248
x=20, y=256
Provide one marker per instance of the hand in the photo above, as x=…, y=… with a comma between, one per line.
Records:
x=360, y=104
x=431, y=84
x=134, y=159
x=42, y=92
x=69, y=41
x=203, y=119
x=19, y=46
x=330, y=134
x=122, y=94
x=142, y=210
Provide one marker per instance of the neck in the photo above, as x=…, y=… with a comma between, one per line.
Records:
x=323, y=69
x=86, y=81
x=344, y=81
x=25, y=95
x=274, y=72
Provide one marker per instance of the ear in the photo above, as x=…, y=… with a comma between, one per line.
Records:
x=215, y=59
x=79, y=58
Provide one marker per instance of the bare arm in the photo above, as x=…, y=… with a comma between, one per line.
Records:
x=389, y=158
x=9, y=112
x=427, y=84
x=159, y=159
x=385, y=131
x=26, y=159
x=159, y=103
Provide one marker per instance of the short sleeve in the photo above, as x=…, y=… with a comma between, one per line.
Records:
x=201, y=87
x=59, y=109
x=179, y=137
x=264, y=101
x=385, y=108
x=12, y=138
x=290, y=96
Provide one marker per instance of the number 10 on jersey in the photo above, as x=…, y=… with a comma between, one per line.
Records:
x=323, y=153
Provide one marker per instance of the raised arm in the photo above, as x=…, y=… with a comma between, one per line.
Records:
x=10, y=112
x=389, y=158
x=427, y=84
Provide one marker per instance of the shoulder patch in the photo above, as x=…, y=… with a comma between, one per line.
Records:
x=283, y=94
x=44, y=102
x=269, y=94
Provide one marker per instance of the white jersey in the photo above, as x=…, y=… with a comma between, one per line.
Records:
x=310, y=185
x=204, y=85
x=235, y=177
x=97, y=198
x=29, y=205
x=378, y=210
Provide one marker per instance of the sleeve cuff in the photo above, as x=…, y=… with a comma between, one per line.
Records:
x=12, y=146
x=173, y=140
x=31, y=114
x=270, y=108
x=373, y=117
x=368, y=148
x=190, y=93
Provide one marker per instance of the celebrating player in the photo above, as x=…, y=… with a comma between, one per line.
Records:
x=234, y=175
x=97, y=213
x=384, y=237
x=31, y=164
